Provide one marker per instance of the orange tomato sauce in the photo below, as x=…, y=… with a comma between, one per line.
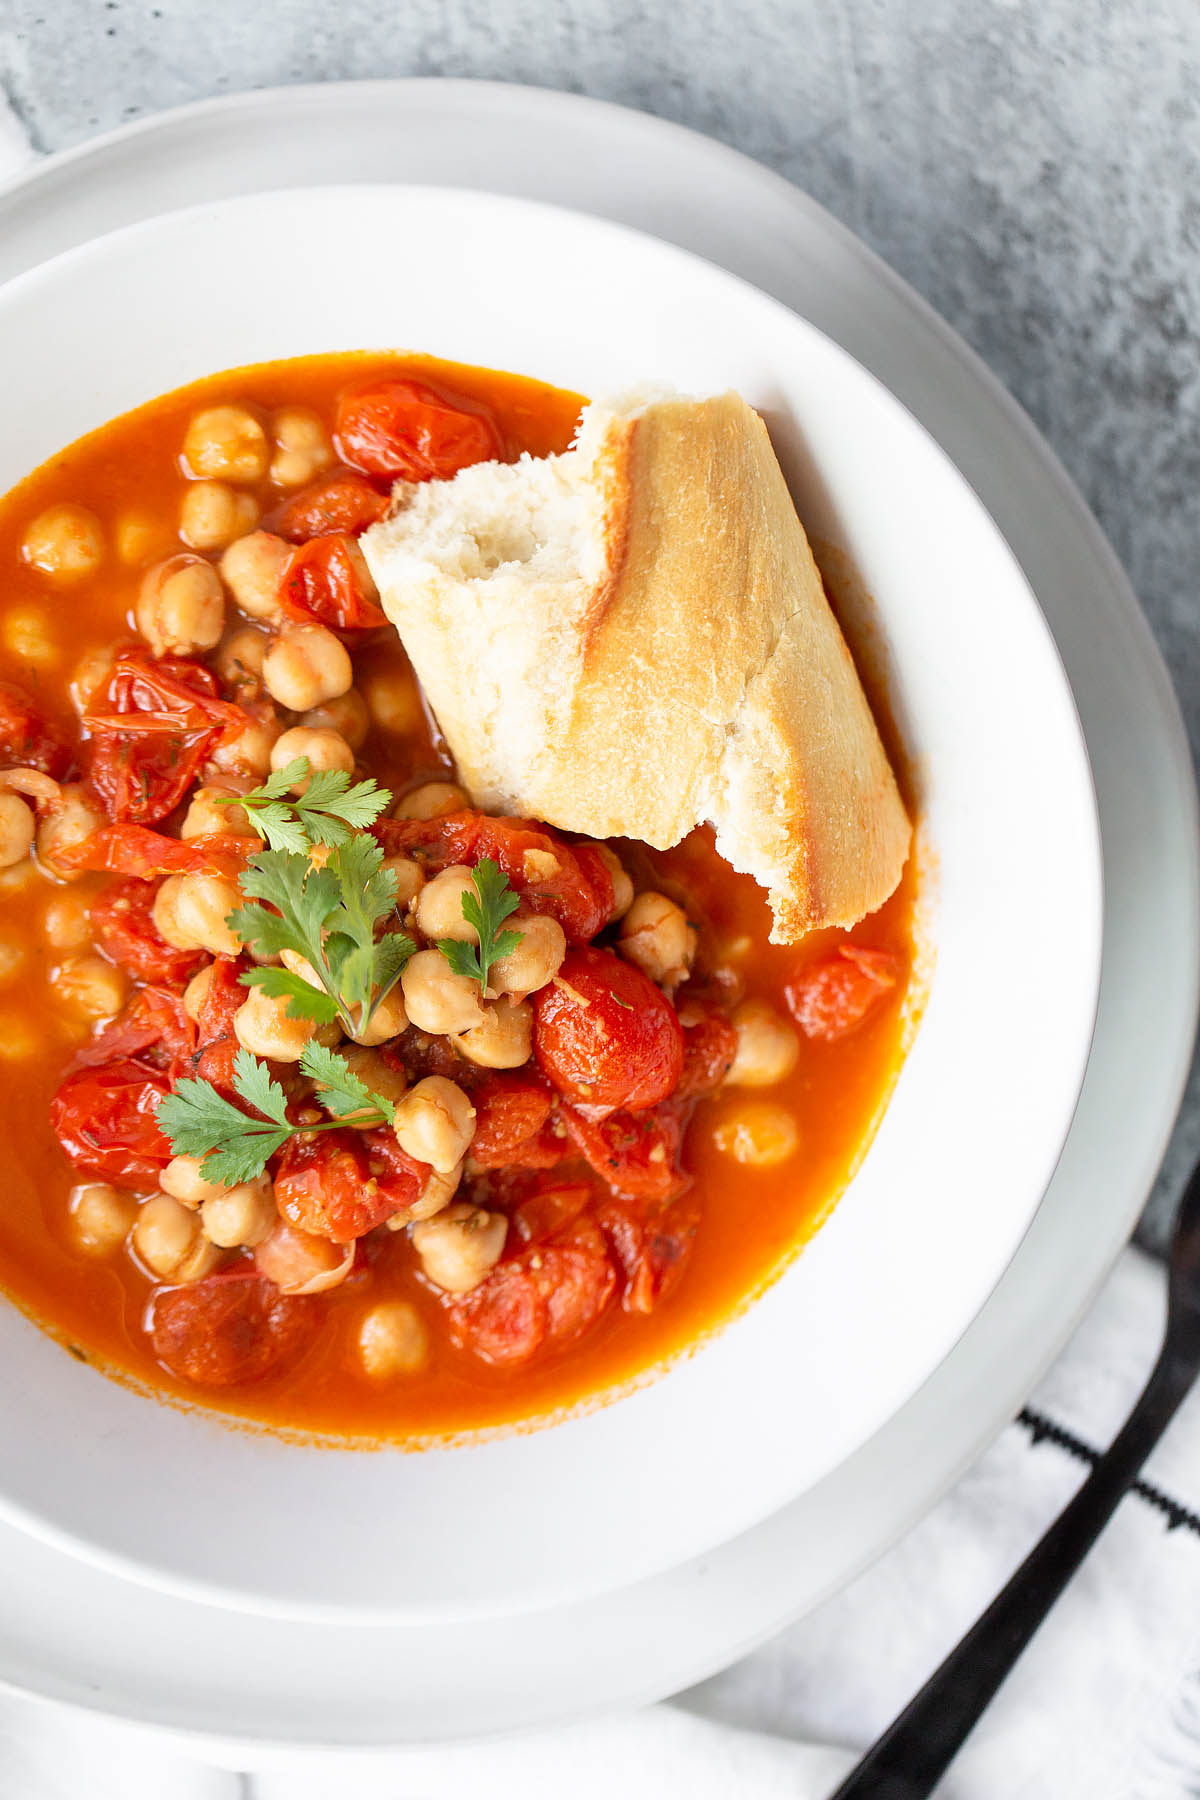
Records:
x=128, y=473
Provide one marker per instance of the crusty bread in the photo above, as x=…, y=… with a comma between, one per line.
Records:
x=632, y=638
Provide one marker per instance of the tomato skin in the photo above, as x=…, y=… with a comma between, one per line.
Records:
x=510, y=1111
x=548, y=1294
x=27, y=741
x=216, y=1041
x=399, y=1176
x=136, y=850
x=325, y=1187
x=123, y=920
x=605, y=1036
x=652, y=1248
x=230, y=1327
x=104, y=1119
x=341, y=501
x=709, y=1047
x=149, y=731
x=579, y=894
x=831, y=997
x=636, y=1154
x=407, y=431
x=322, y=581
x=153, y=1028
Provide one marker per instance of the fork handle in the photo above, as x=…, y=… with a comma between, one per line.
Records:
x=909, y=1759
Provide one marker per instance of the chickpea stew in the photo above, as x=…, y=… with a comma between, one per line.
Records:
x=333, y=1102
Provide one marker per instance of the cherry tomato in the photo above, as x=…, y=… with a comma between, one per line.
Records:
x=153, y=1029
x=547, y=1208
x=568, y=881
x=405, y=430
x=135, y=850
x=510, y=1112
x=830, y=997
x=605, y=1036
x=546, y=1295
x=216, y=1040
x=324, y=580
x=635, y=1153
x=709, y=1047
x=123, y=921
x=325, y=1187
x=230, y=1327
x=399, y=1176
x=26, y=740
x=652, y=1247
x=149, y=731
x=104, y=1120
x=341, y=501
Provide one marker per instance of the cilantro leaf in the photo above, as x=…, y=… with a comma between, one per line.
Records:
x=342, y=1093
x=328, y=810
x=199, y=1121
x=304, y=1000
x=486, y=909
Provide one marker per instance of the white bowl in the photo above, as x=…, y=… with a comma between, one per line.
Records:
x=804, y=1376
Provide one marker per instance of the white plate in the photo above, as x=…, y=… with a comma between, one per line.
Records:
x=86, y=1636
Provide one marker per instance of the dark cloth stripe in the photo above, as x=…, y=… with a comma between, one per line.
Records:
x=1044, y=1431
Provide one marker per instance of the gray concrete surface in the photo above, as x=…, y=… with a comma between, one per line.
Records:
x=1032, y=166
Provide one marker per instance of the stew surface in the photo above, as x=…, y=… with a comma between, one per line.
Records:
x=650, y=1108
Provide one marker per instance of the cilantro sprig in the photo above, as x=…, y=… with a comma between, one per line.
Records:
x=486, y=909
x=236, y=1146
x=329, y=810
x=329, y=917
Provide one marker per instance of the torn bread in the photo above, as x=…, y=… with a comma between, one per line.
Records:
x=632, y=638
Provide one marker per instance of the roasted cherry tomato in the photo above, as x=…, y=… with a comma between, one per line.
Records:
x=709, y=1047
x=400, y=1177
x=405, y=430
x=325, y=1187
x=123, y=920
x=637, y=1154
x=510, y=1112
x=216, y=1040
x=832, y=996
x=341, y=501
x=568, y=881
x=104, y=1119
x=230, y=1327
x=605, y=1036
x=652, y=1247
x=150, y=728
x=136, y=850
x=327, y=580
x=153, y=1028
x=547, y=1294
x=26, y=740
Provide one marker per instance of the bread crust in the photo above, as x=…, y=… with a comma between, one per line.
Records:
x=695, y=673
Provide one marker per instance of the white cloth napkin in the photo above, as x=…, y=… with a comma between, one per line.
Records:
x=1104, y=1706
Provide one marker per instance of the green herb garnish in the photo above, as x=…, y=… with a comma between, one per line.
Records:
x=327, y=812
x=486, y=909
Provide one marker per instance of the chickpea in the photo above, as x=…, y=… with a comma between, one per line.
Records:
x=439, y=906
x=435, y=1122
x=436, y=999
x=252, y=569
x=249, y=753
x=196, y=992
x=12, y=958
x=760, y=1136
x=303, y=446
x=91, y=986
x=67, y=922
x=410, y=878
x=169, y=1242
x=67, y=825
x=190, y=912
x=225, y=443
x=180, y=606
x=261, y=1026
x=441, y=1185
x=184, y=1179
x=239, y=1215
x=305, y=666
x=213, y=514
x=65, y=543
x=101, y=1216
x=90, y=675
x=432, y=800
x=18, y=1041
x=536, y=959
x=141, y=537
x=18, y=827
x=767, y=1046
x=657, y=938
x=378, y=1074
x=347, y=714
x=324, y=749
x=622, y=885
x=27, y=634
x=392, y=1340
x=460, y=1246
x=387, y=1021
x=394, y=701
x=207, y=817
x=505, y=1038
x=239, y=661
